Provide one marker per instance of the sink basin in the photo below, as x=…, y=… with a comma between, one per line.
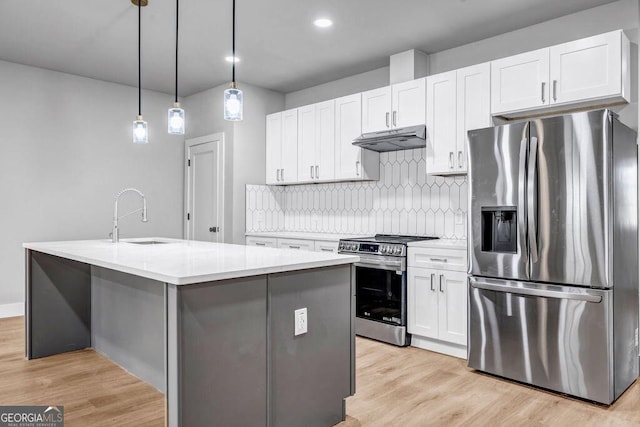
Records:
x=148, y=242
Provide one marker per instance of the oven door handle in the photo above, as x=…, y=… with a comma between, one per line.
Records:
x=391, y=266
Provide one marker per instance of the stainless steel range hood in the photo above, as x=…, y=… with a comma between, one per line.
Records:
x=393, y=139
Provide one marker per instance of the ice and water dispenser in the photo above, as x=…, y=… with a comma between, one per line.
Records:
x=499, y=229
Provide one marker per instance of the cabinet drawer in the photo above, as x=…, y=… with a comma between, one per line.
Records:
x=305, y=245
x=326, y=246
x=443, y=259
x=269, y=242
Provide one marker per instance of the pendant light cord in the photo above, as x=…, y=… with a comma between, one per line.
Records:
x=233, y=44
x=177, y=11
x=139, y=58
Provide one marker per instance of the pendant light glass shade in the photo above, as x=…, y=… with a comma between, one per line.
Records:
x=140, y=131
x=176, y=120
x=233, y=104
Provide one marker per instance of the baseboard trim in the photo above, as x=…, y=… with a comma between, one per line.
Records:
x=438, y=346
x=11, y=310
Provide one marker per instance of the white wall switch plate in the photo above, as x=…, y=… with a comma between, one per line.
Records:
x=300, y=321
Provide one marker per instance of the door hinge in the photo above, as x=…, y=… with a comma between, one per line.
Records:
x=188, y=216
x=188, y=162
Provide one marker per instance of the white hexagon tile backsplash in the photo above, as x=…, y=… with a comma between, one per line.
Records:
x=404, y=201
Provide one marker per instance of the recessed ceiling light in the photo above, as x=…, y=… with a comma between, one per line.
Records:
x=230, y=59
x=323, y=23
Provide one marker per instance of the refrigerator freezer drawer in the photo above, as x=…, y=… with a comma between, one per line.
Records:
x=555, y=337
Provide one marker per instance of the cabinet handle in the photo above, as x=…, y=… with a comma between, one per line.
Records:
x=260, y=244
x=357, y=167
x=450, y=159
x=395, y=118
x=294, y=247
x=326, y=249
x=441, y=276
x=386, y=119
x=555, y=88
x=317, y=172
x=282, y=174
x=311, y=171
x=432, y=277
x=542, y=91
x=460, y=159
x=438, y=259
x=277, y=174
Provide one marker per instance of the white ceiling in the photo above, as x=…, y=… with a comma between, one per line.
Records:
x=279, y=47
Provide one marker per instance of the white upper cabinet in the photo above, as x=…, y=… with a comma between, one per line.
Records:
x=351, y=162
x=316, y=133
x=282, y=147
x=395, y=106
x=590, y=68
x=457, y=101
x=591, y=71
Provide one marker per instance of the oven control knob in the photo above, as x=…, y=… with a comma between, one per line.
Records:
x=353, y=247
x=383, y=250
x=397, y=250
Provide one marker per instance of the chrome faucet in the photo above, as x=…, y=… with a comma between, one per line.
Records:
x=115, y=235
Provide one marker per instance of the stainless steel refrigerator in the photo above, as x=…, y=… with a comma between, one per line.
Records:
x=553, y=247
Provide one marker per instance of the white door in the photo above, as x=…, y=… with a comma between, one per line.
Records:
x=441, y=123
x=306, y=142
x=422, y=302
x=586, y=68
x=348, y=127
x=376, y=113
x=325, y=140
x=520, y=82
x=274, y=148
x=289, y=172
x=408, y=103
x=452, y=307
x=473, y=106
x=204, y=193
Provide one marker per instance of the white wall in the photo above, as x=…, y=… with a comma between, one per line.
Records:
x=66, y=152
x=622, y=14
x=244, y=143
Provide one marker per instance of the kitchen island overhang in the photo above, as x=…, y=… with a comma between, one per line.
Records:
x=210, y=325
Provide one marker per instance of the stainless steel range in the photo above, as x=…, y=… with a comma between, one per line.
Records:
x=381, y=286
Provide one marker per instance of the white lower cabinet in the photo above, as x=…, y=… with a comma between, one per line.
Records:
x=437, y=305
x=268, y=242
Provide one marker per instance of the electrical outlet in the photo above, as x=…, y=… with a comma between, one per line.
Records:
x=260, y=217
x=300, y=321
x=459, y=217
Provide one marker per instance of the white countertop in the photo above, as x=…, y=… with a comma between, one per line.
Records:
x=440, y=243
x=183, y=262
x=303, y=235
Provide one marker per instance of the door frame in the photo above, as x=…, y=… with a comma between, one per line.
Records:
x=218, y=140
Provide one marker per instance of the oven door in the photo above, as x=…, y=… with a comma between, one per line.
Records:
x=381, y=289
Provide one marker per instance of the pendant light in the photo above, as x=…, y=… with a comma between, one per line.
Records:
x=140, y=130
x=233, y=95
x=176, y=114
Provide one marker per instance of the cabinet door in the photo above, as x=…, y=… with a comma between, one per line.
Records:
x=269, y=242
x=325, y=141
x=422, y=302
x=348, y=127
x=441, y=123
x=473, y=107
x=452, y=306
x=274, y=148
x=586, y=68
x=298, y=244
x=520, y=82
x=408, y=103
x=306, y=142
x=326, y=246
x=289, y=172
x=376, y=114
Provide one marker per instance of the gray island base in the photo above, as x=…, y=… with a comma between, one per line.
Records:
x=223, y=351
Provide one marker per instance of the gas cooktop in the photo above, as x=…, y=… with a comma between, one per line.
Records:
x=392, y=238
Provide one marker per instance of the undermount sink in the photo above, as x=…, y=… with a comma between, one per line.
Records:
x=148, y=242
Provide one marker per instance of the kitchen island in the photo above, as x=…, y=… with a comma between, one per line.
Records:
x=210, y=325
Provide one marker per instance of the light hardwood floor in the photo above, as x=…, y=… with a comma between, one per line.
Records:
x=395, y=387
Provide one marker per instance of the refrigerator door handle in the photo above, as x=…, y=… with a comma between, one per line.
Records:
x=522, y=200
x=532, y=196
x=546, y=293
